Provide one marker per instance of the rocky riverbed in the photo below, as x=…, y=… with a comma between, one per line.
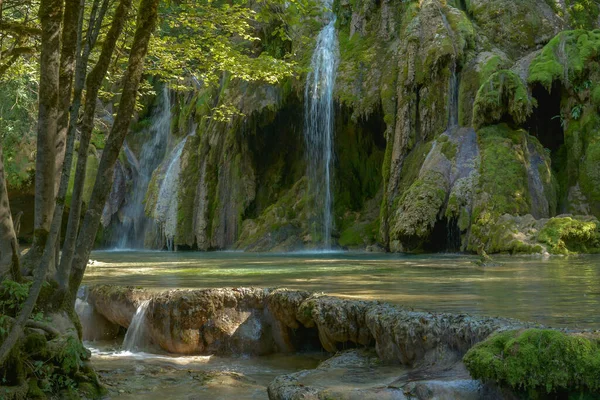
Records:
x=372, y=349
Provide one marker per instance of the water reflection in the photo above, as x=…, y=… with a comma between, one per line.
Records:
x=556, y=292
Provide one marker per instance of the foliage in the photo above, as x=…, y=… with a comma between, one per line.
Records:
x=18, y=114
x=19, y=38
x=538, y=361
x=206, y=39
x=12, y=295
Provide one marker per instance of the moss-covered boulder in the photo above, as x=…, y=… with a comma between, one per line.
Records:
x=503, y=96
x=539, y=362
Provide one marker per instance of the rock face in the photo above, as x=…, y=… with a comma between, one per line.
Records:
x=452, y=117
x=394, y=353
x=263, y=321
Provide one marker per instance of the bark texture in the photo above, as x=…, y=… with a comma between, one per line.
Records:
x=94, y=81
x=146, y=22
x=51, y=18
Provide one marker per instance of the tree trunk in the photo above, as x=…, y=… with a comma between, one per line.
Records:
x=94, y=81
x=146, y=22
x=51, y=18
x=71, y=27
x=9, y=247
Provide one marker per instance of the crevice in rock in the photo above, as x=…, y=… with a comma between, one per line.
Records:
x=417, y=114
x=545, y=122
x=445, y=237
x=306, y=339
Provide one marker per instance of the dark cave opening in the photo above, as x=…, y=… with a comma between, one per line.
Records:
x=359, y=147
x=445, y=237
x=545, y=123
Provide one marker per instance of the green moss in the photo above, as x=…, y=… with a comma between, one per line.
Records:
x=567, y=235
x=34, y=391
x=472, y=76
x=590, y=172
x=359, y=235
x=565, y=58
x=503, y=172
x=418, y=210
x=91, y=169
x=513, y=26
x=504, y=95
x=449, y=149
x=538, y=361
x=35, y=344
x=583, y=13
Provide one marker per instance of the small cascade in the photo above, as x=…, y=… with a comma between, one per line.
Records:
x=165, y=211
x=540, y=208
x=85, y=312
x=134, y=219
x=318, y=128
x=453, y=95
x=136, y=333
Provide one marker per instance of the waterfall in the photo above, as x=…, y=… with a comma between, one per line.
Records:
x=133, y=231
x=453, y=95
x=165, y=211
x=318, y=128
x=136, y=333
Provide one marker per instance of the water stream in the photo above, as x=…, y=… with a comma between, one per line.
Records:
x=135, y=336
x=166, y=205
x=318, y=130
x=135, y=221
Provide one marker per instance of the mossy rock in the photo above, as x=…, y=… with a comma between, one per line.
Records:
x=418, y=210
x=503, y=97
x=516, y=27
x=566, y=58
x=538, y=362
x=565, y=235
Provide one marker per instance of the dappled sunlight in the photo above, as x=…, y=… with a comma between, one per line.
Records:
x=556, y=291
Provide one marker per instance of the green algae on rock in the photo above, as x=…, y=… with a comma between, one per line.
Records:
x=538, y=361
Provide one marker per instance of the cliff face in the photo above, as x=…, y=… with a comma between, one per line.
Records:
x=459, y=125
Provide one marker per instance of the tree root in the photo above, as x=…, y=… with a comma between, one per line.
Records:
x=52, y=332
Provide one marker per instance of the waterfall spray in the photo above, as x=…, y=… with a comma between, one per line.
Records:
x=135, y=222
x=136, y=333
x=318, y=128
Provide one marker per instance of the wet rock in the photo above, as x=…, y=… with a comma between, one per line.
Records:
x=210, y=321
x=360, y=375
x=417, y=338
x=263, y=321
x=338, y=321
x=115, y=303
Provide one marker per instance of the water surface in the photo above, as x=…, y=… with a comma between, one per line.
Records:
x=558, y=291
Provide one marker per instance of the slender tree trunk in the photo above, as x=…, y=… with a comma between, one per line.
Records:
x=51, y=18
x=146, y=22
x=94, y=81
x=71, y=27
x=9, y=247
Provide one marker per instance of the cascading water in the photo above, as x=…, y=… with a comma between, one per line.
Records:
x=136, y=333
x=165, y=211
x=318, y=127
x=135, y=222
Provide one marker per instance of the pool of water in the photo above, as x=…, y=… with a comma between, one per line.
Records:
x=556, y=291
x=150, y=376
